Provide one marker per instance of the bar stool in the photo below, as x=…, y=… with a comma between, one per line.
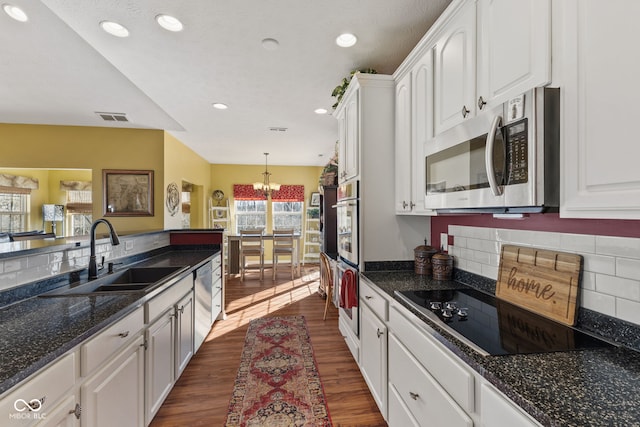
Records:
x=251, y=245
x=326, y=280
x=283, y=246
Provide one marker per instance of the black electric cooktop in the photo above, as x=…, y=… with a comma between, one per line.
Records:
x=494, y=327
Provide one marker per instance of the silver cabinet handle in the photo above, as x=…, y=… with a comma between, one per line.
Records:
x=465, y=111
x=413, y=395
x=481, y=102
x=123, y=334
x=379, y=332
x=368, y=297
x=404, y=205
x=77, y=411
x=412, y=205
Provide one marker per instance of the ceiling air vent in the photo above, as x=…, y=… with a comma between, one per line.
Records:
x=112, y=117
x=277, y=129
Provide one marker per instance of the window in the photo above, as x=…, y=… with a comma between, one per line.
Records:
x=14, y=212
x=250, y=214
x=79, y=212
x=287, y=215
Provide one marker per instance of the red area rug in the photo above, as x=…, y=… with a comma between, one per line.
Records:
x=278, y=383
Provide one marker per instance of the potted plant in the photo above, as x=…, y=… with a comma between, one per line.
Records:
x=329, y=174
x=339, y=91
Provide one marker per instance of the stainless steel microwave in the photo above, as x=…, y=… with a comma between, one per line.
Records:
x=505, y=160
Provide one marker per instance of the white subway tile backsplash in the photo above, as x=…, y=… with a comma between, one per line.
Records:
x=618, y=246
x=611, y=270
x=579, y=243
x=15, y=264
x=588, y=280
x=627, y=267
x=600, y=264
x=605, y=304
x=618, y=286
x=628, y=310
x=37, y=260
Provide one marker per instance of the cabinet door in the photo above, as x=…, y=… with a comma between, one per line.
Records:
x=114, y=396
x=422, y=90
x=373, y=359
x=455, y=70
x=63, y=415
x=185, y=331
x=160, y=362
x=496, y=410
x=352, y=137
x=599, y=159
x=403, y=160
x=514, y=48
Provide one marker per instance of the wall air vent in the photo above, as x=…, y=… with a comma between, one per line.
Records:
x=278, y=129
x=112, y=117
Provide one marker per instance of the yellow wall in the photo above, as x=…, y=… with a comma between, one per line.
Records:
x=224, y=176
x=94, y=148
x=183, y=164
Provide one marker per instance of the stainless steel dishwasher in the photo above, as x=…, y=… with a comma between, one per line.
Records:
x=203, y=284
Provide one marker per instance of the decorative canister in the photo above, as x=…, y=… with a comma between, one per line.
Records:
x=442, y=266
x=423, y=254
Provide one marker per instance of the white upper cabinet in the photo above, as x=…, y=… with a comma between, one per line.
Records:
x=513, y=47
x=348, y=143
x=404, y=202
x=600, y=86
x=455, y=76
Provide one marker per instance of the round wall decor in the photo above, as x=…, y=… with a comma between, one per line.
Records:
x=173, y=198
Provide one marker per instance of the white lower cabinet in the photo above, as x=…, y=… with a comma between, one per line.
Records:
x=424, y=397
x=160, y=362
x=114, y=396
x=66, y=414
x=185, y=332
x=499, y=411
x=373, y=359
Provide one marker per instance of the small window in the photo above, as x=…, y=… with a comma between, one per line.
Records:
x=287, y=215
x=14, y=212
x=79, y=212
x=250, y=214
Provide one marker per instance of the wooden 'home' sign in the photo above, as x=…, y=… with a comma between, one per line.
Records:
x=543, y=281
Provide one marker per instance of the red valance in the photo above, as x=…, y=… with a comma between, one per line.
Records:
x=289, y=193
x=246, y=192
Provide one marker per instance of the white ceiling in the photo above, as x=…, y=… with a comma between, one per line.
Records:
x=60, y=68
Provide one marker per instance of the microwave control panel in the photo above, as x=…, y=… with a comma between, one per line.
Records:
x=517, y=149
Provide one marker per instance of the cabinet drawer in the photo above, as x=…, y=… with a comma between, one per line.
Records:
x=104, y=345
x=169, y=297
x=497, y=410
x=374, y=300
x=455, y=378
x=420, y=392
x=216, y=262
x=399, y=414
x=47, y=387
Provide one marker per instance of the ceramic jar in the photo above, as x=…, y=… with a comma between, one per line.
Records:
x=442, y=266
x=422, y=261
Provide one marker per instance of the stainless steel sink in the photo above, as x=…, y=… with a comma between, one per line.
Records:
x=134, y=279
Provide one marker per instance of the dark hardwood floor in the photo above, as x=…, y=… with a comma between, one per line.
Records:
x=201, y=395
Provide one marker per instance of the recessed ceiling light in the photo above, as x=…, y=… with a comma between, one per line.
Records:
x=346, y=40
x=270, y=44
x=320, y=111
x=169, y=23
x=220, y=106
x=114, y=29
x=15, y=12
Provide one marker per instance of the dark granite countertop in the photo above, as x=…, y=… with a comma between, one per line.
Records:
x=37, y=330
x=577, y=388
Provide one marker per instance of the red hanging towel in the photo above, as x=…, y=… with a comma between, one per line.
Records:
x=348, y=292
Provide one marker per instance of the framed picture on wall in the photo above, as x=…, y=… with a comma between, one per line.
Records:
x=127, y=192
x=315, y=199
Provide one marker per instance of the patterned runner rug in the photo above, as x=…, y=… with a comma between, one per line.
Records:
x=278, y=383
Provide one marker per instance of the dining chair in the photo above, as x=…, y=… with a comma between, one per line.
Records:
x=251, y=245
x=326, y=280
x=283, y=246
